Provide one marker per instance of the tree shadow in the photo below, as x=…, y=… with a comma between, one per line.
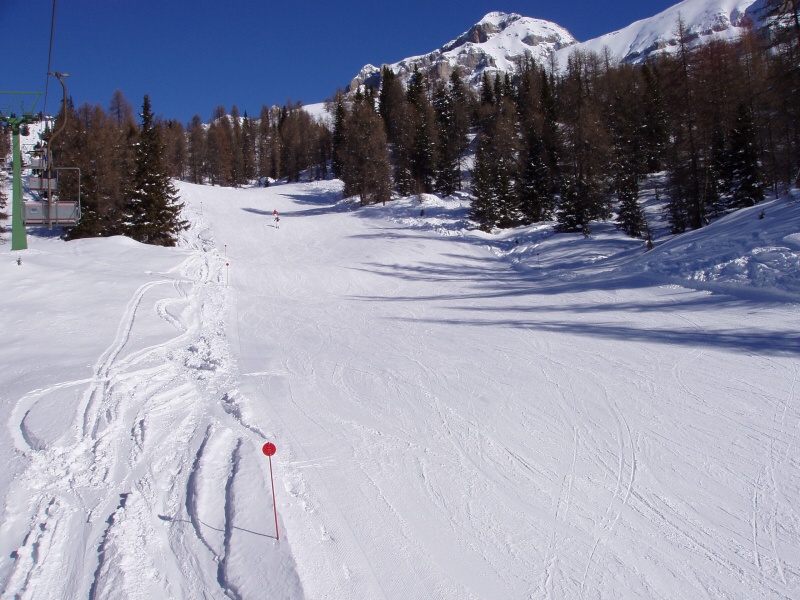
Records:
x=761, y=342
x=486, y=282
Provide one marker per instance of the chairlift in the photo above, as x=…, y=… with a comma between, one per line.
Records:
x=60, y=214
x=44, y=182
x=48, y=210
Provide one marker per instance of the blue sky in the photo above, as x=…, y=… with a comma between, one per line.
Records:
x=191, y=56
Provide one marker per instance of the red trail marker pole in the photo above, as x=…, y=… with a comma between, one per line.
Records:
x=269, y=449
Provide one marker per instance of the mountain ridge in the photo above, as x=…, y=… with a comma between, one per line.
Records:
x=494, y=43
x=499, y=40
x=704, y=20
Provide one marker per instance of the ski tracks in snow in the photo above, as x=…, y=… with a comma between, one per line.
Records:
x=154, y=479
x=774, y=508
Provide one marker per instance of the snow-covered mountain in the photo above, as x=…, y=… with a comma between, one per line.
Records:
x=704, y=20
x=499, y=40
x=494, y=43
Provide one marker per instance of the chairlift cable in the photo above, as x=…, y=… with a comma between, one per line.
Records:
x=49, y=58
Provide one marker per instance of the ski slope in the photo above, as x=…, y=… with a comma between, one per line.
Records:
x=457, y=415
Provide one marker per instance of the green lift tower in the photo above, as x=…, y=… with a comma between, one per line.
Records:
x=15, y=120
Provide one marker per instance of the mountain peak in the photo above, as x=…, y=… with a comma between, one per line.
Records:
x=495, y=43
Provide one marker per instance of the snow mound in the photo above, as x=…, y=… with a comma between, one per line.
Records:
x=752, y=250
x=756, y=248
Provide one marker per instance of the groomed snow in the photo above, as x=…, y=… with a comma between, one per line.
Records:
x=457, y=414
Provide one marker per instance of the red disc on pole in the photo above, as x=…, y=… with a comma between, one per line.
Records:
x=269, y=449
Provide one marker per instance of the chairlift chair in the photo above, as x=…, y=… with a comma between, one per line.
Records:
x=47, y=210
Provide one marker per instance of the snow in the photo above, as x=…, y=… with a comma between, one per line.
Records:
x=319, y=112
x=496, y=43
x=704, y=19
x=752, y=249
x=510, y=37
x=457, y=414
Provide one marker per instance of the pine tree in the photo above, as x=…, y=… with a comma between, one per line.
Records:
x=746, y=186
x=339, y=113
x=366, y=171
x=687, y=204
x=423, y=147
x=196, y=150
x=449, y=159
x=534, y=190
x=153, y=205
x=505, y=159
x=624, y=122
x=484, y=202
x=574, y=213
x=488, y=98
x=716, y=180
x=495, y=201
x=655, y=119
x=237, y=149
x=101, y=147
x=630, y=217
x=105, y=158
x=121, y=109
x=219, y=148
x=248, y=149
x=391, y=99
x=452, y=116
x=551, y=131
x=176, y=150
